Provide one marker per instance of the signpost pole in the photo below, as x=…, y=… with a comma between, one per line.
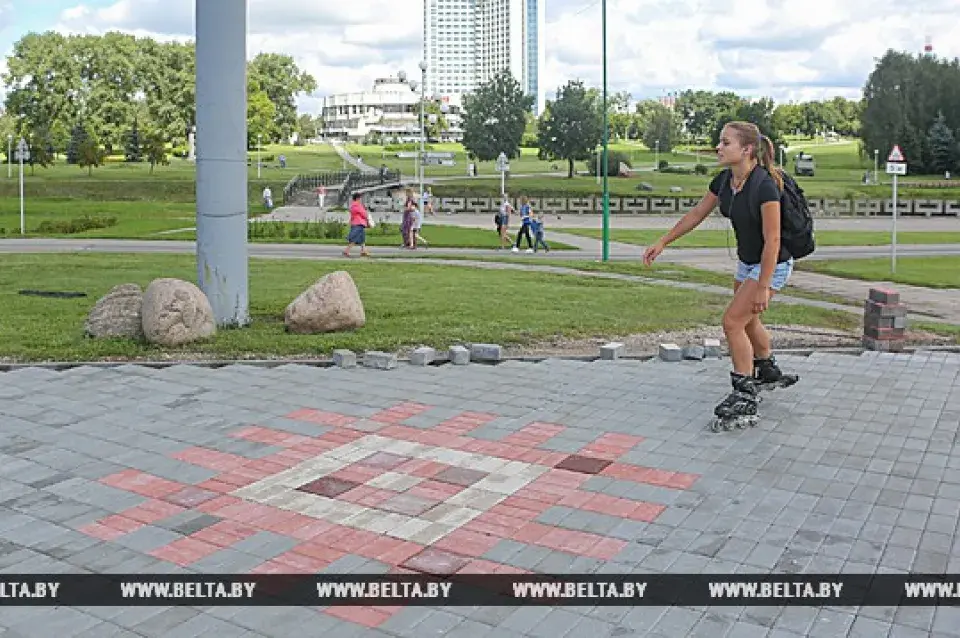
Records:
x=893, y=242
x=22, y=154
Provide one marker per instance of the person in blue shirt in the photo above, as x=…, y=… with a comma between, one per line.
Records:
x=526, y=215
x=536, y=225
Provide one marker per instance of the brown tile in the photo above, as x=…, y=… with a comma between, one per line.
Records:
x=385, y=460
x=582, y=464
x=432, y=561
x=460, y=476
x=407, y=505
x=329, y=487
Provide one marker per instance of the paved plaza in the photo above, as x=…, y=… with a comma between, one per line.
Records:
x=558, y=466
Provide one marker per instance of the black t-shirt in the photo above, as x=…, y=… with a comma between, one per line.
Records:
x=747, y=221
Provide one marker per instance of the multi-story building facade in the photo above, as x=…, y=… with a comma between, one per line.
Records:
x=467, y=42
x=390, y=111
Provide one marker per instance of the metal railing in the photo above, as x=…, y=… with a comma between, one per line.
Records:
x=346, y=181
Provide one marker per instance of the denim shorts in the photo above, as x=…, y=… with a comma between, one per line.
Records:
x=780, y=274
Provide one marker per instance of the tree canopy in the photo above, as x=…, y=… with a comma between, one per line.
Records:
x=111, y=81
x=571, y=126
x=495, y=118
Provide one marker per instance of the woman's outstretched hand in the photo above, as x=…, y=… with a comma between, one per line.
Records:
x=652, y=252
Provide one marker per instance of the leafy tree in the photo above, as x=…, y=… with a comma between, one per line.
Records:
x=572, y=126
x=281, y=79
x=760, y=113
x=435, y=122
x=89, y=153
x=943, y=146
x=155, y=149
x=701, y=110
x=78, y=135
x=41, y=150
x=495, y=118
x=261, y=118
x=133, y=151
x=663, y=127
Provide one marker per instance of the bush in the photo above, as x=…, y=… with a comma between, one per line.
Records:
x=409, y=146
x=663, y=165
x=180, y=151
x=677, y=170
x=700, y=169
x=614, y=159
x=75, y=225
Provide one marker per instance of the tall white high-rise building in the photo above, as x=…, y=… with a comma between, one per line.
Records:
x=467, y=42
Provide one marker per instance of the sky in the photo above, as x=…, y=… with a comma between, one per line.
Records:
x=789, y=50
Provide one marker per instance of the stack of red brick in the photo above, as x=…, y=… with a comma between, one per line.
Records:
x=884, y=321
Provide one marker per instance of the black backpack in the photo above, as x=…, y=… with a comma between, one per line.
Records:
x=796, y=223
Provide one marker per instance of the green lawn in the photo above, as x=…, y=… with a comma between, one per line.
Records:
x=932, y=272
x=710, y=238
x=406, y=305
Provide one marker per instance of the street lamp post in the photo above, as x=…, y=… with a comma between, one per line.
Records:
x=9, y=155
x=606, y=192
x=258, y=156
x=876, y=162
x=656, y=161
x=423, y=86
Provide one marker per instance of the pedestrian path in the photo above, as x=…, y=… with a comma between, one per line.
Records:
x=557, y=467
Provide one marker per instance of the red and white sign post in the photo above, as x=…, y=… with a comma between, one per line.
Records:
x=896, y=165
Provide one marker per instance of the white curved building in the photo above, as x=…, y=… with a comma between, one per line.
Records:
x=391, y=110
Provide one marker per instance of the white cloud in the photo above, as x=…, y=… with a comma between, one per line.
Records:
x=781, y=48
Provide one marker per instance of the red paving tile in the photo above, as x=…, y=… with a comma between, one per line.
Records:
x=422, y=468
x=314, y=529
x=367, y=496
x=190, y=497
x=142, y=483
x=216, y=485
x=210, y=459
x=400, y=553
x=152, y=511
x=318, y=551
x=437, y=562
x=367, y=616
x=184, y=551
x=322, y=418
x=300, y=563
x=398, y=413
x=328, y=486
x=434, y=490
x=215, y=506
x=466, y=542
x=224, y=533
x=350, y=543
x=650, y=476
x=356, y=473
x=583, y=464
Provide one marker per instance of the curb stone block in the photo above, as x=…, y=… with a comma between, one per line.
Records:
x=884, y=296
x=883, y=345
x=612, y=351
x=423, y=356
x=693, y=353
x=379, y=360
x=711, y=348
x=459, y=356
x=670, y=352
x=345, y=358
x=485, y=352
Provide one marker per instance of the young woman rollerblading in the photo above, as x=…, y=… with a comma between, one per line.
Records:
x=748, y=193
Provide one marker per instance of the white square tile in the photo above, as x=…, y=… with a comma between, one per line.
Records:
x=407, y=530
x=476, y=498
x=294, y=501
x=432, y=533
x=394, y=481
x=501, y=484
x=319, y=508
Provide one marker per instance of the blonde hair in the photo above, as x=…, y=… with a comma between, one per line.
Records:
x=748, y=134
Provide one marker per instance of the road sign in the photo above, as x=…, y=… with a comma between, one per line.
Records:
x=896, y=168
x=503, y=165
x=23, y=151
x=896, y=155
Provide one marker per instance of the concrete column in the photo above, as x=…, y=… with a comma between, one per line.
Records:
x=221, y=43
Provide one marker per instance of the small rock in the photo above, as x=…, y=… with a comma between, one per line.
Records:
x=176, y=312
x=693, y=353
x=345, y=358
x=612, y=351
x=485, y=352
x=459, y=356
x=423, y=356
x=117, y=314
x=379, y=360
x=670, y=352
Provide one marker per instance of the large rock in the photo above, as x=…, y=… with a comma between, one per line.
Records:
x=117, y=314
x=176, y=312
x=330, y=305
